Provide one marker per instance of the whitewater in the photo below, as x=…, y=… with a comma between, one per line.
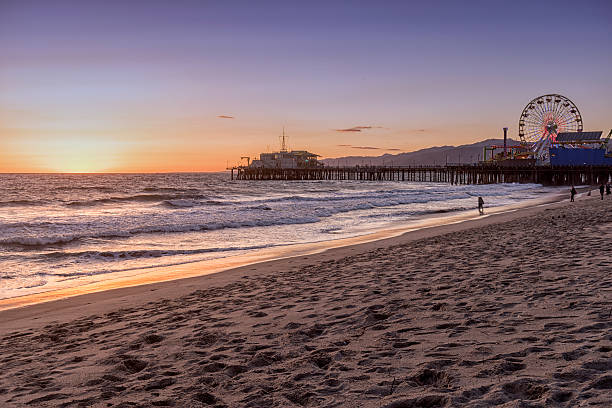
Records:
x=64, y=227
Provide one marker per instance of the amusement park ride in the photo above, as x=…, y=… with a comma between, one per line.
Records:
x=549, y=125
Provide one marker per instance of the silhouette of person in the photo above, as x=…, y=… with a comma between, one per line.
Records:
x=480, y=205
x=608, y=192
x=601, y=190
x=572, y=194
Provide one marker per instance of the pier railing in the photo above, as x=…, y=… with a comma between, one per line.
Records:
x=451, y=173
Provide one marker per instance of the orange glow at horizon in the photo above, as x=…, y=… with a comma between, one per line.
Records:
x=78, y=156
x=53, y=142
x=187, y=149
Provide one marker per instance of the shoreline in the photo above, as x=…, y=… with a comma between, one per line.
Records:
x=507, y=309
x=23, y=309
x=188, y=270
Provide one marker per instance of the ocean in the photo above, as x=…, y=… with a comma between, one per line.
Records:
x=62, y=228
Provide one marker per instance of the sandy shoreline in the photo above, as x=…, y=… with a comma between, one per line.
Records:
x=508, y=310
x=153, y=275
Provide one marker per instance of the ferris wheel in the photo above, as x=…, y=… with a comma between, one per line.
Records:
x=544, y=118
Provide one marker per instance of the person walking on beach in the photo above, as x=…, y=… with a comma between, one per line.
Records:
x=601, y=190
x=480, y=205
x=608, y=189
x=572, y=194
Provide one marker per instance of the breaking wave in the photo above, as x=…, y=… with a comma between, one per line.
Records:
x=38, y=242
x=20, y=203
x=144, y=253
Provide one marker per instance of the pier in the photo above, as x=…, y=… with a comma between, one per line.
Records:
x=485, y=173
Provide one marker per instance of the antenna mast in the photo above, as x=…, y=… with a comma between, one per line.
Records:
x=283, y=142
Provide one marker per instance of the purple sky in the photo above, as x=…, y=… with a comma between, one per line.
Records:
x=145, y=82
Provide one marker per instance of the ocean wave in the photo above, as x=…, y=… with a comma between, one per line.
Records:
x=403, y=196
x=216, y=202
x=259, y=207
x=37, y=241
x=330, y=230
x=180, y=203
x=418, y=213
x=102, y=189
x=188, y=203
x=57, y=240
x=21, y=203
x=444, y=210
x=169, y=190
x=142, y=198
x=142, y=253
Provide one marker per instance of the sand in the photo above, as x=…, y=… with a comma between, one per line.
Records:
x=511, y=310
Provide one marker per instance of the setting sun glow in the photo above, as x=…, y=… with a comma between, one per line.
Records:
x=80, y=156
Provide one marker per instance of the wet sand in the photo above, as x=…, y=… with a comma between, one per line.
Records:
x=511, y=310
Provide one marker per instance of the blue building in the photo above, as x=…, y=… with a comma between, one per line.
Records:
x=580, y=149
x=562, y=156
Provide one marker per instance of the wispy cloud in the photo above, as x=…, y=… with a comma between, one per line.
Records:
x=225, y=117
x=368, y=147
x=358, y=128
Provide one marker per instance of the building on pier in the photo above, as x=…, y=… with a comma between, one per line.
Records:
x=295, y=159
x=580, y=149
x=284, y=159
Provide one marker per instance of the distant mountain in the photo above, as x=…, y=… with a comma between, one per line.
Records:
x=470, y=153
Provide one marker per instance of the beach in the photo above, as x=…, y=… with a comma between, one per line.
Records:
x=510, y=310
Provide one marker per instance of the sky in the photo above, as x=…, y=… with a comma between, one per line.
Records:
x=156, y=86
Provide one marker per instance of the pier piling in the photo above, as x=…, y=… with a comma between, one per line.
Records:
x=454, y=174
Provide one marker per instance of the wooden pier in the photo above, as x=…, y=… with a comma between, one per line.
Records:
x=453, y=174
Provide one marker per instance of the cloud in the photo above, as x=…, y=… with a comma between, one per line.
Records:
x=368, y=147
x=358, y=128
x=225, y=117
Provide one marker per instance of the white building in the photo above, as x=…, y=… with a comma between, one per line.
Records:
x=295, y=159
